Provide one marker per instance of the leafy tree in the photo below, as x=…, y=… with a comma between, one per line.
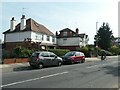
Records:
x=104, y=37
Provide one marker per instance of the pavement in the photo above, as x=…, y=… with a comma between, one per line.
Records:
x=27, y=64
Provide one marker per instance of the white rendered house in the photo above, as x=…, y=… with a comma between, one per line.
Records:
x=28, y=29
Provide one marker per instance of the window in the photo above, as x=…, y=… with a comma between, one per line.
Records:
x=42, y=37
x=82, y=54
x=53, y=39
x=77, y=54
x=38, y=36
x=64, y=33
x=48, y=38
x=36, y=24
x=52, y=55
x=70, y=54
x=65, y=39
x=45, y=54
x=35, y=54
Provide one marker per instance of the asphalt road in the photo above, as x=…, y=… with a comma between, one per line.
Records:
x=97, y=74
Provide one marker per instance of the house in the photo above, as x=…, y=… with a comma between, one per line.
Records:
x=68, y=39
x=116, y=41
x=28, y=30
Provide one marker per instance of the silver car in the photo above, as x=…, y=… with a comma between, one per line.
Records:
x=44, y=58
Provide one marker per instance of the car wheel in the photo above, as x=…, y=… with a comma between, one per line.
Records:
x=83, y=61
x=40, y=66
x=59, y=63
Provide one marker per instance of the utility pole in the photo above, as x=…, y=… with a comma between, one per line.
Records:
x=96, y=40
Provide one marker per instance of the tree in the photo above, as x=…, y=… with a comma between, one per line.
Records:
x=104, y=37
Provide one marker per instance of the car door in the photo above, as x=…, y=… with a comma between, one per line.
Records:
x=82, y=56
x=54, y=59
x=77, y=56
x=46, y=58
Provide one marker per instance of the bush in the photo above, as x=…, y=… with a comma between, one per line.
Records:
x=115, y=50
x=18, y=52
x=85, y=50
x=59, y=52
x=107, y=52
x=22, y=52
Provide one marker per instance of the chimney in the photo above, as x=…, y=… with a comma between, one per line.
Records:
x=12, y=24
x=77, y=30
x=56, y=33
x=23, y=23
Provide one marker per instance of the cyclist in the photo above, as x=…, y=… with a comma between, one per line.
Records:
x=103, y=55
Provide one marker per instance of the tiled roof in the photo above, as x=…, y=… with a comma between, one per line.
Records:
x=77, y=35
x=31, y=25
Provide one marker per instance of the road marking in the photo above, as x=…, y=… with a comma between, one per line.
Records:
x=34, y=79
x=53, y=75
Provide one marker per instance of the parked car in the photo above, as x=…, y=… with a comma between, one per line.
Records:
x=44, y=58
x=73, y=57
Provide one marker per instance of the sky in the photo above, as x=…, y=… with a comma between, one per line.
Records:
x=60, y=14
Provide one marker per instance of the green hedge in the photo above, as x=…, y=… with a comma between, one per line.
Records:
x=59, y=52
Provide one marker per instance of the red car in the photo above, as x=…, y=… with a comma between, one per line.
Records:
x=73, y=57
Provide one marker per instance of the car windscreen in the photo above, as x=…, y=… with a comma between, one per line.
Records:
x=35, y=54
x=70, y=54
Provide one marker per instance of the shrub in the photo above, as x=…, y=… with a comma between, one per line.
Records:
x=85, y=50
x=59, y=52
x=115, y=50
x=22, y=52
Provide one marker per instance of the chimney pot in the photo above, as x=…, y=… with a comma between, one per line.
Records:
x=13, y=18
x=77, y=30
x=23, y=16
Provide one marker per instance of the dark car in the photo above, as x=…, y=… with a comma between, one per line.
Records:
x=44, y=58
x=74, y=57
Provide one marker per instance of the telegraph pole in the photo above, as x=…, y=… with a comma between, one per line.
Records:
x=96, y=39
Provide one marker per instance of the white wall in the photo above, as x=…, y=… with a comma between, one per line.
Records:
x=69, y=42
x=39, y=38
x=74, y=41
x=17, y=36
x=20, y=36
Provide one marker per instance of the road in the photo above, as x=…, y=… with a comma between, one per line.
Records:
x=97, y=74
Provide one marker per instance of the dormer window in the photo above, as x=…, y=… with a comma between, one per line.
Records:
x=36, y=24
x=64, y=33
